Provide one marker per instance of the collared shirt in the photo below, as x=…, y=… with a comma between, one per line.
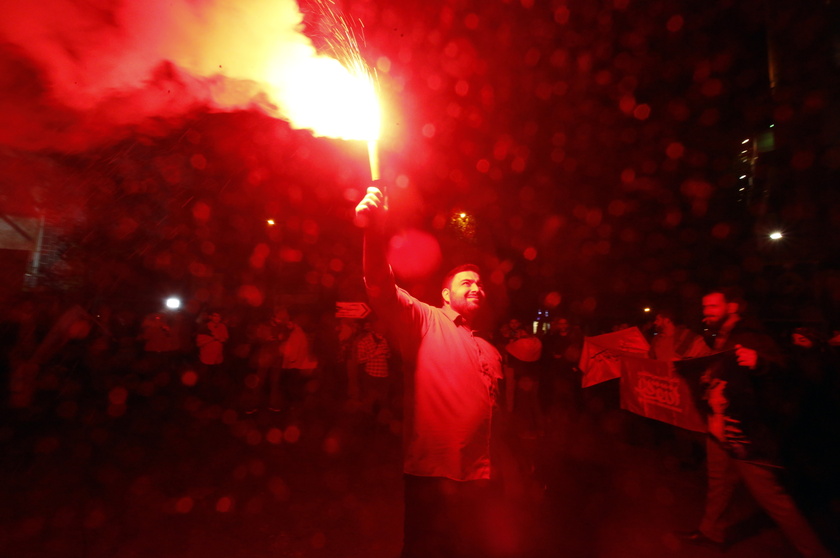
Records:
x=451, y=381
x=373, y=351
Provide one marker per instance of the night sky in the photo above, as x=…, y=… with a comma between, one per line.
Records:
x=595, y=148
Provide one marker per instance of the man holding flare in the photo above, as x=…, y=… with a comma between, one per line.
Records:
x=451, y=380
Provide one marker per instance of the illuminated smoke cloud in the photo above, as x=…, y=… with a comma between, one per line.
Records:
x=77, y=74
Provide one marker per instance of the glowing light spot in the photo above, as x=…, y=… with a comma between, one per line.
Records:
x=675, y=150
x=251, y=295
x=646, y=310
x=318, y=540
x=291, y=255
x=118, y=395
x=482, y=166
x=292, y=434
x=553, y=299
x=201, y=211
x=173, y=303
x=642, y=112
x=270, y=222
x=224, y=504
x=776, y=235
x=414, y=254
x=721, y=231
x=429, y=130
x=530, y=253
x=628, y=176
x=627, y=104
x=383, y=64
x=274, y=436
x=332, y=445
x=198, y=161
x=95, y=519
x=189, y=378
x=184, y=505
x=675, y=23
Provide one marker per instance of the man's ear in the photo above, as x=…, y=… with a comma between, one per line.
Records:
x=445, y=294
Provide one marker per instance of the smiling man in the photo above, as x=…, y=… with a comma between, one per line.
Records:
x=451, y=379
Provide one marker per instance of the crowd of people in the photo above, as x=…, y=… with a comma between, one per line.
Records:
x=423, y=371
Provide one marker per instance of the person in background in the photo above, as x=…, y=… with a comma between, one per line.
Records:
x=263, y=384
x=373, y=353
x=673, y=342
x=210, y=340
x=560, y=378
x=739, y=444
x=814, y=416
x=521, y=368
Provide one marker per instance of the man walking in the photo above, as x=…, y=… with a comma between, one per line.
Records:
x=740, y=445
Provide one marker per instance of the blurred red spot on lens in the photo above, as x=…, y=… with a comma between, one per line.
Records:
x=184, y=505
x=332, y=445
x=224, y=504
x=189, y=378
x=675, y=23
x=721, y=231
x=642, y=112
x=118, y=395
x=292, y=434
x=414, y=254
x=319, y=540
x=274, y=436
x=251, y=294
x=675, y=150
x=552, y=299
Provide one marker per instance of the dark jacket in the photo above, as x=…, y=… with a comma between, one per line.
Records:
x=748, y=399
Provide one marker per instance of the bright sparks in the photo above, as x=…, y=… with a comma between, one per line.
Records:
x=322, y=95
x=333, y=95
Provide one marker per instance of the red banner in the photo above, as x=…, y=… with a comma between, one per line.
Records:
x=652, y=389
x=601, y=354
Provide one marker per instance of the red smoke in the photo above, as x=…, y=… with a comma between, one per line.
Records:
x=76, y=74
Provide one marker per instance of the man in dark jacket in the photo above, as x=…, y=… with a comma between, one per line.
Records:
x=740, y=445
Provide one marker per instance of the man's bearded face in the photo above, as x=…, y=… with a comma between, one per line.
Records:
x=715, y=310
x=466, y=294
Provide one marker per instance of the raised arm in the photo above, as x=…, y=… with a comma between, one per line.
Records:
x=370, y=215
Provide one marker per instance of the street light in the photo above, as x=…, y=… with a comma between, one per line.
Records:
x=776, y=235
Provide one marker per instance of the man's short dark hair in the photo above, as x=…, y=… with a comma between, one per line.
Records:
x=732, y=295
x=447, y=280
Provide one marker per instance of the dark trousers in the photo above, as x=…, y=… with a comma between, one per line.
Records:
x=724, y=474
x=446, y=518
